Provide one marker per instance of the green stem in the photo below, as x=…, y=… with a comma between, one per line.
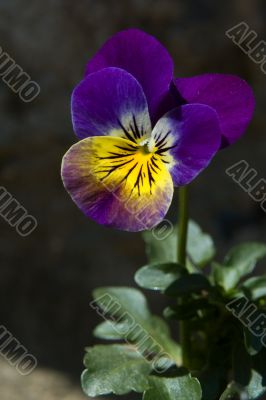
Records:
x=182, y=226
x=181, y=258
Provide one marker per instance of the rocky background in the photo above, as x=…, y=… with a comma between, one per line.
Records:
x=47, y=278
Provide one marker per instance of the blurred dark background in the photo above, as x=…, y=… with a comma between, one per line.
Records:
x=47, y=278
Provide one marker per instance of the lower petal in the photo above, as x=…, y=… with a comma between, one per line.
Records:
x=115, y=183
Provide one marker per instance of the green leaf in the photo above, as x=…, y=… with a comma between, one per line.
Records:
x=183, y=388
x=158, y=276
x=200, y=246
x=234, y=392
x=190, y=283
x=255, y=287
x=116, y=369
x=239, y=262
x=257, y=384
x=136, y=324
x=253, y=343
x=110, y=330
x=161, y=251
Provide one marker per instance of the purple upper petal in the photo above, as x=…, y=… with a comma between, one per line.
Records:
x=146, y=59
x=110, y=102
x=187, y=138
x=230, y=96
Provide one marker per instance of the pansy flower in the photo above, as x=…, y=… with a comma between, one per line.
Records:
x=142, y=132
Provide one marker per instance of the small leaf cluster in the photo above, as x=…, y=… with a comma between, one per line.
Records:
x=222, y=307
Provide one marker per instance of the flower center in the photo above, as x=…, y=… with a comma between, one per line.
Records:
x=144, y=149
x=146, y=146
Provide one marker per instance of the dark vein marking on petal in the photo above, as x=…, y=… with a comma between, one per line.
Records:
x=132, y=129
x=163, y=150
x=139, y=178
x=150, y=176
x=136, y=129
x=129, y=172
x=112, y=169
x=129, y=148
x=113, y=156
x=106, y=168
x=154, y=163
x=157, y=136
x=153, y=169
x=161, y=142
x=126, y=132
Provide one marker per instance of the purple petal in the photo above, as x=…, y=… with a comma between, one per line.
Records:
x=187, y=138
x=230, y=96
x=110, y=102
x=146, y=59
x=112, y=181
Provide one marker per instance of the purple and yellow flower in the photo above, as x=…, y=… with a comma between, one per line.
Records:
x=142, y=132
